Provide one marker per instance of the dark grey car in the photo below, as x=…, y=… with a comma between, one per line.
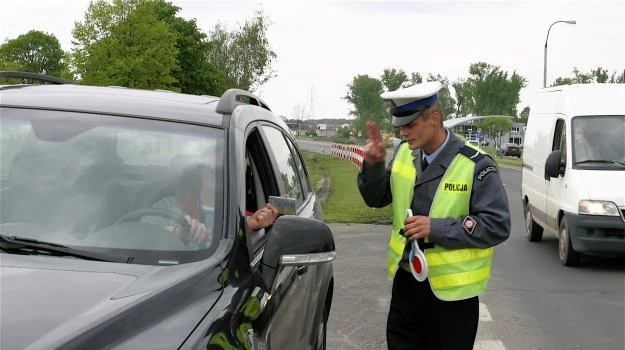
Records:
x=85, y=264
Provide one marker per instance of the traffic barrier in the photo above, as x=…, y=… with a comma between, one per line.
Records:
x=353, y=154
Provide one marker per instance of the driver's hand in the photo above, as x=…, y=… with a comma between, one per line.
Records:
x=262, y=218
x=197, y=234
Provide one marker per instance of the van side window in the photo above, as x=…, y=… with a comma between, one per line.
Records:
x=559, y=140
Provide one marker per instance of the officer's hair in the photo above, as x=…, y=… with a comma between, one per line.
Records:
x=436, y=107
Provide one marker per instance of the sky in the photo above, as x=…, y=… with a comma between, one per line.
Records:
x=322, y=46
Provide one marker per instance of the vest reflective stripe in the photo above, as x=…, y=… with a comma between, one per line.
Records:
x=459, y=279
x=403, y=175
x=461, y=255
x=454, y=274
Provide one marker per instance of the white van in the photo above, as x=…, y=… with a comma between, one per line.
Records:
x=573, y=178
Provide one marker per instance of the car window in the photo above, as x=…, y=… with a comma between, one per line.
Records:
x=11, y=137
x=157, y=148
x=301, y=168
x=289, y=175
x=112, y=184
x=559, y=140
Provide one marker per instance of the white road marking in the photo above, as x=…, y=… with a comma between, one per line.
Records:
x=489, y=345
x=484, y=314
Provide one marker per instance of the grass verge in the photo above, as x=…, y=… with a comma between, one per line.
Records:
x=343, y=202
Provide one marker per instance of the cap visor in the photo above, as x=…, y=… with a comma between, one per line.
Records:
x=397, y=122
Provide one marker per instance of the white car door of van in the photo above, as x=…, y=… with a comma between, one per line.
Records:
x=556, y=186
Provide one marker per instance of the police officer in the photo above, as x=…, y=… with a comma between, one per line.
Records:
x=460, y=212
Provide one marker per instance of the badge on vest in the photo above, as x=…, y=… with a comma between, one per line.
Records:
x=469, y=225
x=486, y=171
x=456, y=187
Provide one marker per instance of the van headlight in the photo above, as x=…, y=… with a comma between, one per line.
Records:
x=588, y=207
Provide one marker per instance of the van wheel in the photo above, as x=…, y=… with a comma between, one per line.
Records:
x=568, y=256
x=533, y=231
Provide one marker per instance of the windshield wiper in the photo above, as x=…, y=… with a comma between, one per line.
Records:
x=22, y=245
x=601, y=161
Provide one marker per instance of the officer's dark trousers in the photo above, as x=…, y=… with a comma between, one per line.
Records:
x=419, y=320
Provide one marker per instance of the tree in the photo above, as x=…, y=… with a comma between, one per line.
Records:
x=364, y=94
x=490, y=91
x=617, y=78
x=444, y=96
x=244, y=54
x=393, y=79
x=524, y=115
x=345, y=131
x=10, y=66
x=35, y=52
x=495, y=127
x=464, y=105
x=197, y=75
x=125, y=44
x=415, y=78
x=597, y=75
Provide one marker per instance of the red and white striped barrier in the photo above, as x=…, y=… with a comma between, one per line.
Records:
x=351, y=153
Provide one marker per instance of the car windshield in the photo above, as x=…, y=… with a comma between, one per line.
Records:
x=111, y=184
x=598, y=141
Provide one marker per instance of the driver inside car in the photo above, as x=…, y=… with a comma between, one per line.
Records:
x=199, y=211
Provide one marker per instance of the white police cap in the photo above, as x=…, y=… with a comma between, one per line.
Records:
x=407, y=104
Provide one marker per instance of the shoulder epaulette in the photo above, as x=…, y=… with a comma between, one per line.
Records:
x=471, y=153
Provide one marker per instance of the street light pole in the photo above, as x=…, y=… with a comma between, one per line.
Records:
x=546, y=40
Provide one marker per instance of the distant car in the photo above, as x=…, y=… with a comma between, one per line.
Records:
x=510, y=149
x=83, y=265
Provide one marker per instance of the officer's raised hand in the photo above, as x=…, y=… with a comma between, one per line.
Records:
x=375, y=151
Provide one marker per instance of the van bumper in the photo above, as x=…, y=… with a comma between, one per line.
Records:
x=597, y=234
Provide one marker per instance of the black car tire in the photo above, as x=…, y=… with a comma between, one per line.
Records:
x=323, y=330
x=568, y=255
x=533, y=231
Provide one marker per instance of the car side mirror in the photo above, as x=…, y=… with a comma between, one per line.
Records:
x=296, y=241
x=552, y=165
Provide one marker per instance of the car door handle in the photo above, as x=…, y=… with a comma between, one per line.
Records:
x=302, y=270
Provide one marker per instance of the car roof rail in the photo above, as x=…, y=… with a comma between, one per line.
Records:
x=34, y=76
x=234, y=97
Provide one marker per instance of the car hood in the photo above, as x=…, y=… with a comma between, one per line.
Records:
x=605, y=185
x=50, y=302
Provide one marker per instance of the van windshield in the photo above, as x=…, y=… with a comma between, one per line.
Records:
x=598, y=142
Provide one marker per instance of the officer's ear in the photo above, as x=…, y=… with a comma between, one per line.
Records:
x=436, y=117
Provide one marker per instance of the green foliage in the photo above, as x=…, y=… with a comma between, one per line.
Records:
x=489, y=91
x=345, y=131
x=523, y=116
x=125, y=44
x=364, y=94
x=10, y=66
x=197, y=75
x=36, y=52
x=415, y=78
x=244, y=55
x=343, y=203
x=597, y=75
x=444, y=95
x=495, y=127
x=393, y=79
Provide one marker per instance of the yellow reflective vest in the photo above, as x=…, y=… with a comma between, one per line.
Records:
x=453, y=274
